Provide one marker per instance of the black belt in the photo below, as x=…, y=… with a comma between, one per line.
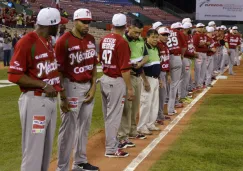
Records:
x=152, y=76
x=135, y=74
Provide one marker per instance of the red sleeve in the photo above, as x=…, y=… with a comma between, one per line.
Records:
x=182, y=40
x=61, y=49
x=196, y=40
x=124, y=54
x=19, y=61
x=239, y=42
x=226, y=38
x=96, y=54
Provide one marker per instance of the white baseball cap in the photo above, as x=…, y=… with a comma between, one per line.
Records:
x=157, y=24
x=49, y=17
x=223, y=27
x=119, y=20
x=210, y=29
x=176, y=25
x=200, y=25
x=211, y=23
x=235, y=28
x=163, y=30
x=187, y=25
x=82, y=14
x=186, y=20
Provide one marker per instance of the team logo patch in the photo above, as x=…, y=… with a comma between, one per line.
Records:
x=38, y=125
x=91, y=45
x=187, y=68
x=73, y=103
x=123, y=100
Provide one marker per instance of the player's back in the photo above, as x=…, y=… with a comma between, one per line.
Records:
x=114, y=54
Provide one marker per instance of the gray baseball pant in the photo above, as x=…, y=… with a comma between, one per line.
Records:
x=215, y=62
x=210, y=65
x=175, y=72
x=38, y=121
x=237, y=60
x=113, y=92
x=186, y=72
x=131, y=108
x=162, y=95
x=220, y=57
x=74, y=129
x=200, y=69
x=231, y=60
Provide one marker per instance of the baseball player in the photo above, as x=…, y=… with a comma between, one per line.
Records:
x=201, y=45
x=164, y=74
x=210, y=57
x=238, y=52
x=224, y=53
x=139, y=56
x=157, y=25
x=34, y=68
x=177, y=47
x=77, y=59
x=232, y=44
x=116, y=81
x=149, y=102
x=186, y=62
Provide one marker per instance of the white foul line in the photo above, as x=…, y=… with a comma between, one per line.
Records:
x=134, y=164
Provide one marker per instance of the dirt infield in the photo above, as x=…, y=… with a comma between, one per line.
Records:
x=96, y=144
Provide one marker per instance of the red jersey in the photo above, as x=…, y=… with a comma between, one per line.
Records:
x=190, y=49
x=164, y=54
x=114, y=55
x=233, y=40
x=197, y=39
x=212, y=45
x=176, y=42
x=216, y=41
x=34, y=57
x=76, y=57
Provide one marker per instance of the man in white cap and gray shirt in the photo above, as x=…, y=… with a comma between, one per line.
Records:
x=77, y=60
x=115, y=84
x=34, y=68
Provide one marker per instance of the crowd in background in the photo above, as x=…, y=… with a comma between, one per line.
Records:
x=10, y=18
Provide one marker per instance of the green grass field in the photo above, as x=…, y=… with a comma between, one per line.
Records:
x=10, y=139
x=213, y=140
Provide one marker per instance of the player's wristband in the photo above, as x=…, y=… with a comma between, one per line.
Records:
x=45, y=86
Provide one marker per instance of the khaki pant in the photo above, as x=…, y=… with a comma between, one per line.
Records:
x=128, y=123
x=149, y=105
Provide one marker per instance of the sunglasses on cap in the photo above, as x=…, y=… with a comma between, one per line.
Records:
x=165, y=34
x=85, y=21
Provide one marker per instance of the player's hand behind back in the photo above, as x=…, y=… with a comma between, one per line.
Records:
x=130, y=94
x=50, y=91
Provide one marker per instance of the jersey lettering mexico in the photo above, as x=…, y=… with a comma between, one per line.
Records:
x=233, y=40
x=114, y=55
x=36, y=60
x=175, y=42
x=164, y=56
x=76, y=57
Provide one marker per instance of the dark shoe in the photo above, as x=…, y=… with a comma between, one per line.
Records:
x=167, y=118
x=86, y=167
x=138, y=136
x=210, y=85
x=130, y=144
x=123, y=144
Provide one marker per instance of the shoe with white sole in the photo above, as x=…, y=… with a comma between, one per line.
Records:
x=118, y=154
x=154, y=128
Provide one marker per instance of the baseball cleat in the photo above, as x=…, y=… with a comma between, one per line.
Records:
x=138, y=136
x=154, y=128
x=85, y=167
x=119, y=154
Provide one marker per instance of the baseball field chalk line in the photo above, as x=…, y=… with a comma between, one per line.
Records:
x=134, y=164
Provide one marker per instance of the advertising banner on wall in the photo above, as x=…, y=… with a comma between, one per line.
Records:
x=229, y=10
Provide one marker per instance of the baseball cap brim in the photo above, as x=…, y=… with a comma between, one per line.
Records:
x=84, y=19
x=63, y=20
